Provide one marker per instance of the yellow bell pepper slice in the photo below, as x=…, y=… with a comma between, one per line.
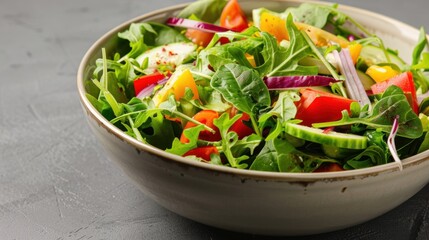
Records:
x=177, y=84
x=381, y=73
x=276, y=26
x=355, y=49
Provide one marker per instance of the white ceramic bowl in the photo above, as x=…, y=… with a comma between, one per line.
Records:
x=260, y=202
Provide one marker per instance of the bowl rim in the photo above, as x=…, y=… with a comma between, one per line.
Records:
x=244, y=173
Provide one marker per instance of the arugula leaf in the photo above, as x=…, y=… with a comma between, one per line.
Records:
x=243, y=88
x=219, y=55
x=163, y=35
x=284, y=62
x=135, y=32
x=180, y=148
x=422, y=43
x=393, y=103
x=423, y=64
x=229, y=139
x=283, y=110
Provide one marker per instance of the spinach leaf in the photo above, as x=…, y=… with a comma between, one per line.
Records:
x=371, y=156
x=425, y=144
x=393, y=103
x=206, y=10
x=280, y=156
x=266, y=159
x=242, y=87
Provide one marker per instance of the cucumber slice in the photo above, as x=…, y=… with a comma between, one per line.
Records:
x=366, y=80
x=341, y=140
x=172, y=54
x=375, y=55
x=339, y=153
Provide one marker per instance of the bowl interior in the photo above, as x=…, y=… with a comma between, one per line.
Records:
x=395, y=34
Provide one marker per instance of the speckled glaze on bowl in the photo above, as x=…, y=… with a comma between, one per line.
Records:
x=260, y=202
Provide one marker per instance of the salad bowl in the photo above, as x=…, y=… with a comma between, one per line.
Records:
x=267, y=203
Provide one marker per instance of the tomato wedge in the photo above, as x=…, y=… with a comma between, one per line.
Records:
x=318, y=106
x=147, y=80
x=240, y=126
x=198, y=37
x=233, y=17
x=329, y=167
x=202, y=152
x=205, y=117
x=405, y=82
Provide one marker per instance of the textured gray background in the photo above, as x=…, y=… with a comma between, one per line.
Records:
x=56, y=183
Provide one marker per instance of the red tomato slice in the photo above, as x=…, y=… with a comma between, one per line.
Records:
x=317, y=106
x=147, y=80
x=206, y=117
x=240, y=127
x=202, y=152
x=233, y=17
x=405, y=82
x=199, y=37
x=329, y=167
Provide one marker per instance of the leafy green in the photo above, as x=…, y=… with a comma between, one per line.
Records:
x=218, y=56
x=284, y=62
x=371, y=156
x=392, y=103
x=311, y=14
x=266, y=159
x=229, y=139
x=180, y=148
x=279, y=155
x=242, y=87
x=425, y=144
x=422, y=43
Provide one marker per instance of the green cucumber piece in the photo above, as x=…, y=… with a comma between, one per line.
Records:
x=341, y=140
x=339, y=153
x=366, y=80
x=375, y=55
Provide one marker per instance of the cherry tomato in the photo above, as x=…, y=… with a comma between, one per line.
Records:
x=317, y=106
x=405, y=82
x=240, y=126
x=147, y=80
x=206, y=117
x=329, y=167
x=198, y=37
x=233, y=17
x=202, y=152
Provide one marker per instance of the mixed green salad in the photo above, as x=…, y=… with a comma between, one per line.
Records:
x=307, y=89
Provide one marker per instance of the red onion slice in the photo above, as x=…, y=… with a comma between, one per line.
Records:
x=285, y=82
x=193, y=24
x=391, y=142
